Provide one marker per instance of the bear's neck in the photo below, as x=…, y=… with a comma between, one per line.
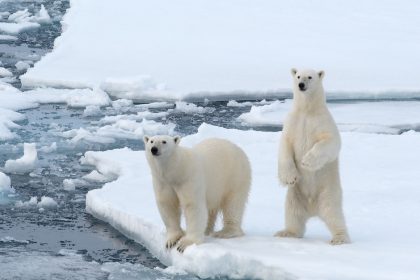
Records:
x=309, y=103
x=171, y=168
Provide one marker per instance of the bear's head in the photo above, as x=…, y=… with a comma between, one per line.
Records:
x=307, y=81
x=160, y=146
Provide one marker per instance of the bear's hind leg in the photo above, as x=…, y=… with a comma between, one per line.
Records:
x=331, y=212
x=233, y=209
x=296, y=215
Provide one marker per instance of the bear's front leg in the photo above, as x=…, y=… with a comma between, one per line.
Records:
x=194, y=205
x=169, y=209
x=322, y=152
x=287, y=171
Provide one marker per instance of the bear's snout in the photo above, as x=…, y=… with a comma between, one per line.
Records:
x=154, y=151
x=302, y=86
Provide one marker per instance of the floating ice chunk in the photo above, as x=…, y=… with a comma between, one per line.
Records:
x=234, y=103
x=77, y=98
x=15, y=28
x=7, y=37
x=121, y=104
x=5, y=72
x=98, y=97
x=156, y=105
x=26, y=163
x=5, y=184
x=12, y=239
x=47, y=202
x=42, y=16
x=20, y=16
x=92, y=110
x=190, y=108
x=49, y=149
x=32, y=202
x=80, y=134
x=71, y=184
x=22, y=65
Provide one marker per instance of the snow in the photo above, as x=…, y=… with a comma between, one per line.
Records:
x=5, y=184
x=26, y=163
x=5, y=72
x=218, y=50
x=380, y=183
x=390, y=117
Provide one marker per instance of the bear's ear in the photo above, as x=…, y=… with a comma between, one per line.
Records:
x=321, y=74
x=293, y=71
x=146, y=139
x=177, y=139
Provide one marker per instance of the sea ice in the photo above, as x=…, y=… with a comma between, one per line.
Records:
x=375, y=197
x=220, y=51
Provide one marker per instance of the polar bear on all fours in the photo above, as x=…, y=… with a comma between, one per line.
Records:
x=308, y=160
x=214, y=176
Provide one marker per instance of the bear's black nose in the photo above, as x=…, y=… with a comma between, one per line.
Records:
x=301, y=86
x=154, y=150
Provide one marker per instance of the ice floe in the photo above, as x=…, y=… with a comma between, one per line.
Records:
x=233, y=49
x=380, y=183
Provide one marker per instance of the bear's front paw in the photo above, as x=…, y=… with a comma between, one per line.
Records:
x=312, y=162
x=172, y=239
x=186, y=241
x=339, y=239
x=289, y=176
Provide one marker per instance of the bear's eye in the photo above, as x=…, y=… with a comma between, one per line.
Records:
x=163, y=142
x=309, y=77
x=298, y=77
x=151, y=141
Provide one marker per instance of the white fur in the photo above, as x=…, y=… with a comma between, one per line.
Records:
x=308, y=161
x=213, y=176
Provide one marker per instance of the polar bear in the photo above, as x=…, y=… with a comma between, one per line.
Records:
x=213, y=176
x=308, y=160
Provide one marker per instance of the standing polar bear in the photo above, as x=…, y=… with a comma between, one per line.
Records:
x=308, y=160
x=213, y=176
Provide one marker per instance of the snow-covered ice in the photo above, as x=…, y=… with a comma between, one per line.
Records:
x=26, y=163
x=380, y=182
x=222, y=50
x=390, y=117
